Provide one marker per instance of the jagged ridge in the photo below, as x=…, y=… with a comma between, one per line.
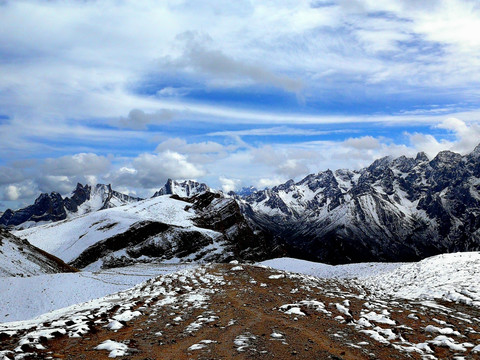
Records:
x=401, y=209
x=53, y=207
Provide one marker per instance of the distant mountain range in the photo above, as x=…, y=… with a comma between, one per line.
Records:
x=401, y=209
x=396, y=209
x=53, y=207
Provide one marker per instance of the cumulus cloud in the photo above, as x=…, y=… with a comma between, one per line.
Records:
x=288, y=162
x=465, y=138
x=229, y=184
x=79, y=164
x=150, y=171
x=363, y=143
x=198, y=152
x=12, y=193
x=467, y=135
x=18, y=191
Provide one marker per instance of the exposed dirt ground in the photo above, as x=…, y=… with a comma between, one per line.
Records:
x=245, y=318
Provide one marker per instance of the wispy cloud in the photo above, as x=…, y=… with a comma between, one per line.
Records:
x=277, y=131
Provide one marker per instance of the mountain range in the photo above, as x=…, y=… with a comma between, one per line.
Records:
x=396, y=209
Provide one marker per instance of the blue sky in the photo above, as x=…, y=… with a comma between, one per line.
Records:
x=230, y=93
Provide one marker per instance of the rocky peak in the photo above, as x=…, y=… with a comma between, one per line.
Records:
x=284, y=187
x=403, y=163
x=324, y=179
x=381, y=163
x=421, y=157
x=476, y=152
x=184, y=188
x=446, y=159
x=52, y=207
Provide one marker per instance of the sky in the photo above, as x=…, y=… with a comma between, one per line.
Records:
x=230, y=93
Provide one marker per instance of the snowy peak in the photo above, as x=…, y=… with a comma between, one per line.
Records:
x=421, y=157
x=19, y=258
x=184, y=188
x=396, y=209
x=52, y=207
x=100, y=197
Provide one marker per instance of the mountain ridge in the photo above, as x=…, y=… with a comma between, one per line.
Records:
x=20, y=258
x=52, y=207
x=396, y=209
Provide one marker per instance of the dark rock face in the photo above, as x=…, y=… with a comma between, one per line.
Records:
x=47, y=207
x=400, y=209
x=52, y=207
x=222, y=214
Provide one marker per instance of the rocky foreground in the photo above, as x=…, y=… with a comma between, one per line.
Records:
x=243, y=311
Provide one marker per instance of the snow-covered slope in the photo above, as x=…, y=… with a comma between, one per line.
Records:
x=208, y=227
x=402, y=209
x=326, y=271
x=68, y=239
x=19, y=258
x=26, y=298
x=451, y=277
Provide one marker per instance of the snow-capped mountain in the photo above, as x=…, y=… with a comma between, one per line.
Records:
x=184, y=188
x=205, y=227
x=399, y=209
x=53, y=207
x=19, y=258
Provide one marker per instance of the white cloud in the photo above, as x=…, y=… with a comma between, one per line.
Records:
x=221, y=69
x=229, y=184
x=466, y=138
x=269, y=182
x=150, y=171
x=278, y=130
x=363, y=143
x=79, y=164
x=18, y=191
x=12, y=193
